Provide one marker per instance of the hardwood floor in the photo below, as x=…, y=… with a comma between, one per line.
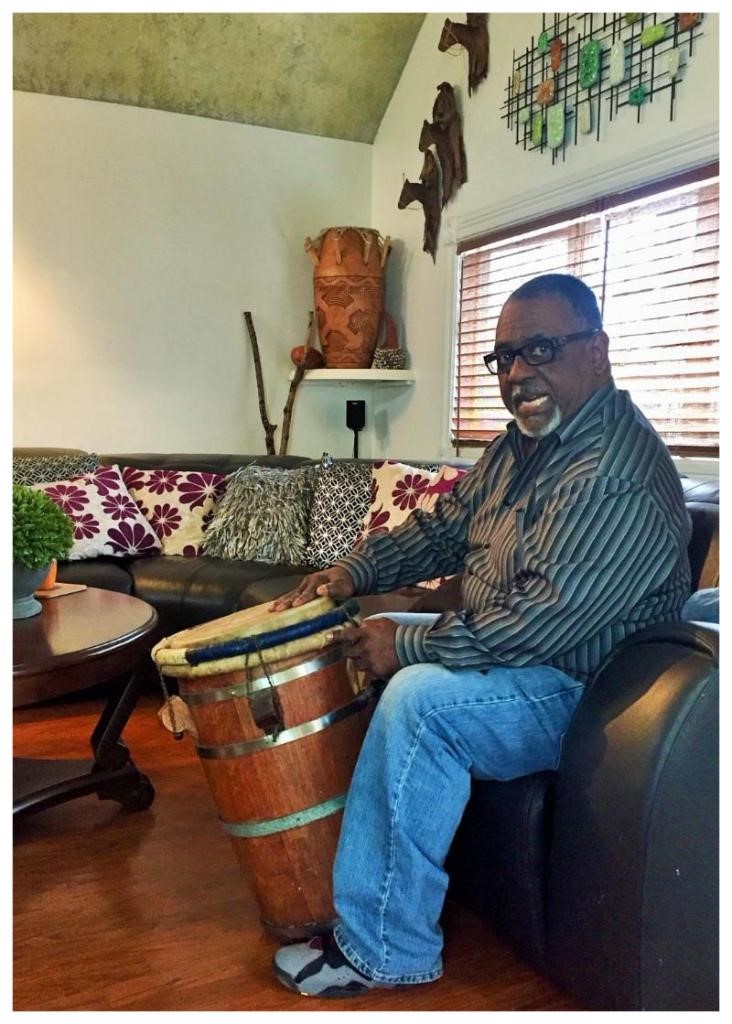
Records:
x=148, y=910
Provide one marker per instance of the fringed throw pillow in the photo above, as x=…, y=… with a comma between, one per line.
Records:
x=263, y=516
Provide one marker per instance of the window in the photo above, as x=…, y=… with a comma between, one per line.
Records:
x=652, y=258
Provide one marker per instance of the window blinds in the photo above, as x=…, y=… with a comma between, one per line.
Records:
x=652, y=259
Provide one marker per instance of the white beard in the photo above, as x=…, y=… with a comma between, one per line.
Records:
x=554, y=420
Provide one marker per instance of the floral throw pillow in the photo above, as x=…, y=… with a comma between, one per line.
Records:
x=398, y=489
x=178, y=504
x=104, y=515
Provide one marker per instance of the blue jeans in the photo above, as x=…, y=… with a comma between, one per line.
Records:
x=432, y=730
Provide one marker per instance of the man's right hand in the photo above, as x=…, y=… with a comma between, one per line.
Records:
x=334, y=582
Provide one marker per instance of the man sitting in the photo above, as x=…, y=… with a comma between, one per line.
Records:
x=571, y=533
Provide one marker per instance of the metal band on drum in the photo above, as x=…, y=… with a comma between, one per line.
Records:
x=270, y=826
x=288, y=735
x=262, y=682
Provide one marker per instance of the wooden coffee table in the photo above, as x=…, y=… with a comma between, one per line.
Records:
x=76, y=641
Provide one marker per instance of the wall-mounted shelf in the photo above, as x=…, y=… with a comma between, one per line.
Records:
x=345, y=377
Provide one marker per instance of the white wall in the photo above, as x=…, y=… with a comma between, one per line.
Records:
x=139, y=238
x=505, y=185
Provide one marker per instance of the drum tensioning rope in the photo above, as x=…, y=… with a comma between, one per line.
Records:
x=251, y=645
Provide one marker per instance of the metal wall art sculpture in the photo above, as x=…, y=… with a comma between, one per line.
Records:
x=584, y=68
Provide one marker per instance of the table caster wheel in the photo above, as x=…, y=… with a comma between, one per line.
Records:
x=139, y=796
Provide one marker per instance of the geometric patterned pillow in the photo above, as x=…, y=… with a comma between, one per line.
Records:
x=340, y=503
x=106, y=520
x=178, y=504
x=47, y=468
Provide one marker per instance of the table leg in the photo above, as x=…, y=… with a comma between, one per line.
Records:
x=112, y=775
x=110, y=750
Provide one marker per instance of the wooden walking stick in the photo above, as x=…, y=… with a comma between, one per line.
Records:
x=300, y=368
x=269, y=428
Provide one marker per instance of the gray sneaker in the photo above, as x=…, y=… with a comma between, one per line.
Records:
x=318, y=968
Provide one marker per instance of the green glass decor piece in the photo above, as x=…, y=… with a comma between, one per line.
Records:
x=617, y=62
x=555, y=125
x=638, y=96
x=585, y=117
x=590, y=64
x=631, y=18
x=537, y=128
x=653, y=34
x=523, y=115
x=543, y=42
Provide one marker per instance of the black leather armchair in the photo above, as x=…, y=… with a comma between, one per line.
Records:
x=604, y=875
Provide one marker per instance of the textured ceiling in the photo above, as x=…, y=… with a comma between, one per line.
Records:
x=321, y=74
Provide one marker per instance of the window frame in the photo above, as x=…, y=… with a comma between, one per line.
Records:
x=689, y=454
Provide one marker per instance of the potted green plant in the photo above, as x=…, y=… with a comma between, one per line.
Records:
x=41, y=532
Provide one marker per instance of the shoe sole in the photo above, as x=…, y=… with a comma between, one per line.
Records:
x=332, y=993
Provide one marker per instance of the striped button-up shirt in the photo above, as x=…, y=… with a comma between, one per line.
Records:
x=566, y=546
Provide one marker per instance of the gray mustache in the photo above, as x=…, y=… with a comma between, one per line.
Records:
x=525, y=395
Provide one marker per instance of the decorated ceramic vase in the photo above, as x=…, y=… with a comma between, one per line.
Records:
x=348, y=280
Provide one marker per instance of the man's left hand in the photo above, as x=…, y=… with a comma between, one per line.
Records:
x=371, y=646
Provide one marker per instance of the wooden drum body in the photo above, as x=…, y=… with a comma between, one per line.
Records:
x=349, y=293
x=278, y=746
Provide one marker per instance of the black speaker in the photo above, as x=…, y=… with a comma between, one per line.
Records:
x=355, y=415
x=355, y=419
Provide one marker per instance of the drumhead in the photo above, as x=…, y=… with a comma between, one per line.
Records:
x=247, y=622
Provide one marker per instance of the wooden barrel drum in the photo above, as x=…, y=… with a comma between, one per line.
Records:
x=348, y=281
x=280, y=722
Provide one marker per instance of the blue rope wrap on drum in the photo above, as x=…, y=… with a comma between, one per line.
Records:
x=261, y=641
x=249, y=829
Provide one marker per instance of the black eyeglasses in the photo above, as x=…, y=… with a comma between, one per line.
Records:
x=534, y=352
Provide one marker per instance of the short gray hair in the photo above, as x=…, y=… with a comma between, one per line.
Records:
x=574, y=291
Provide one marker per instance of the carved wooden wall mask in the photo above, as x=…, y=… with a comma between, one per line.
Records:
x=473, y=35
x=427, y=192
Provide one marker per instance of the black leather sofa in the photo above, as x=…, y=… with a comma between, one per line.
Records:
x=604, y=874
x=188, y=591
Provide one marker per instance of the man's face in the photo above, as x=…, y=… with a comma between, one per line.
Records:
x=541, y=397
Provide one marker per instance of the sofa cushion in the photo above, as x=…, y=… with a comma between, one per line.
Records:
x=204, y=463
x=263, y=516
x=188, y=591
x=177, y=504
x=47, y=468
x=105, y=518
x=105, y=573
